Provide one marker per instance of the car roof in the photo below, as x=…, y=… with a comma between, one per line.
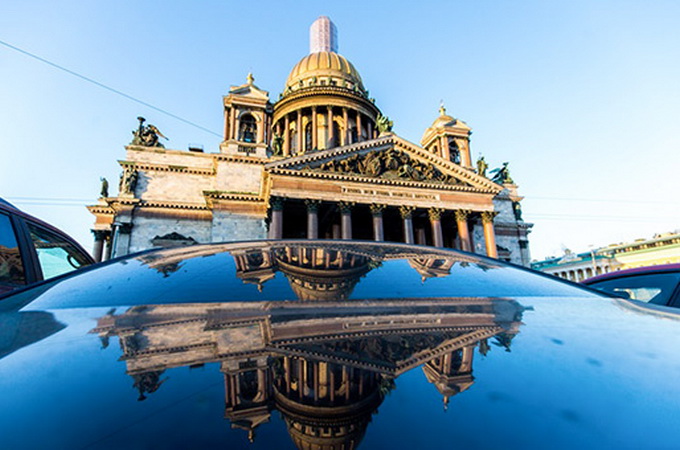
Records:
x=662, y=268
x=313, y=344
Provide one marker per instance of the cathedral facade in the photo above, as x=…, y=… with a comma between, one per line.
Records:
x=321, y=162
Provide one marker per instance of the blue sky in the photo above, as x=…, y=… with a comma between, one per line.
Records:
x=581, y=97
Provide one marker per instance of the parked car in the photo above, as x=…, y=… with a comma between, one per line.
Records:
x=32, y=250
x=659, y=285
x=326, y=344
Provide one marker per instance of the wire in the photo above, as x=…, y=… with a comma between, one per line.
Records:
x=605, y=200
x=108, y=88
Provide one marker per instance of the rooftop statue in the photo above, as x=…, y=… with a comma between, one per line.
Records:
x=502, y=175
x=105, y=188
x=147, y=136
x=384, y=124
x=482, y=165
x=277, y=145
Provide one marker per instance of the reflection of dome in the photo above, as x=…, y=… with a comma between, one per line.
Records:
x=314, y=68
x=321, y=274
x=322, y=427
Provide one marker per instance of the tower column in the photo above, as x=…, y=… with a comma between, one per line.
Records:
x=312, y=218
x=276, y=224
x=315, y=128
x=369, y=129
x=227, y=113
x=346, y=219
x=359, y=134
x=406, y=215
x=489, y=234
x=463, y=231
x=465, y=159
x=232, y=123
x=345, y=134
x=331, y=129
x=286, y=136
x=378, y=230
x=435, y=215
x=446, y=152
x=300, y=133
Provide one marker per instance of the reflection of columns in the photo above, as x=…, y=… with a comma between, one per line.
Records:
x=436, y=221
x=331, y=128
x=286, y=136
x=315, y=144
x=489, y=235
x=463, y=231
x=98, y=248
x=378, y=231
x=359, y=134
x=276, y=224
x=345, y=133
x=300, y=133
x=346, y=219
x=406, y=214
x=312, y=219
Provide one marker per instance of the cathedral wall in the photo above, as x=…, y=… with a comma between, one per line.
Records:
x=170, y=157
x=238, y=177
x=173, y=186
x=144, y=229
x=227, y=226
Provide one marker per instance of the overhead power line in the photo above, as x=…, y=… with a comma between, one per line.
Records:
x=108, y=88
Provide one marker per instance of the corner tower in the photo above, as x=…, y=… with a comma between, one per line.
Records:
x=449, y=138
x=324, y=103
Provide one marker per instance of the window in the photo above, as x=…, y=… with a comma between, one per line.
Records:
x=248, y=129
x=652, y=288
x=55, y=254
x=11, y=267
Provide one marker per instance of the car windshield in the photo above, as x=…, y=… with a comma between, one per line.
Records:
x=654, y=288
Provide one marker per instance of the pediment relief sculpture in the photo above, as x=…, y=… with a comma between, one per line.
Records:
x=392, y=164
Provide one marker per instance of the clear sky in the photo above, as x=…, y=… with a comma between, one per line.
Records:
x=581, y=97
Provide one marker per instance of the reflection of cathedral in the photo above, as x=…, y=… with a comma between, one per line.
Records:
x=326, y=365
x=319, y=162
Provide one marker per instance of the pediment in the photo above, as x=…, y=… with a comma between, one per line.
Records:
x=249, y=90
x=387, y=159
x=388, y=352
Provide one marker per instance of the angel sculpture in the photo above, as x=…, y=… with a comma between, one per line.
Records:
x=502, y=175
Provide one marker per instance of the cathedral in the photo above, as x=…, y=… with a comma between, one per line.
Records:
x=319, y=162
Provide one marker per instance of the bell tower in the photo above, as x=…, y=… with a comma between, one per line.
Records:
x=247, y=118
x=449, y=138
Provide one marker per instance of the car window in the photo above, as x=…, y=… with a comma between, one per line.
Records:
x=654, y=288
x=55, y=254
x=11, y=266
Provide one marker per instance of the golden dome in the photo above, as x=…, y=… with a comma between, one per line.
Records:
x=324, y=68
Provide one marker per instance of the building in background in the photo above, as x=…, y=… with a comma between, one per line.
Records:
x=319, y=162
x=661, y=249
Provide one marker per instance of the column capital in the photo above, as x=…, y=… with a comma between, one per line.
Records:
x=435, y=213
x=101, y=235
x=487, y=216
x=345, y=206
x=406, y=211
x=462, y=214
x=377, y=209
x=125, y=228
x=312, y=205
x=276, y=203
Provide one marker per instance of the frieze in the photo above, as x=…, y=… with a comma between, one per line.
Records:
x=391, y=194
